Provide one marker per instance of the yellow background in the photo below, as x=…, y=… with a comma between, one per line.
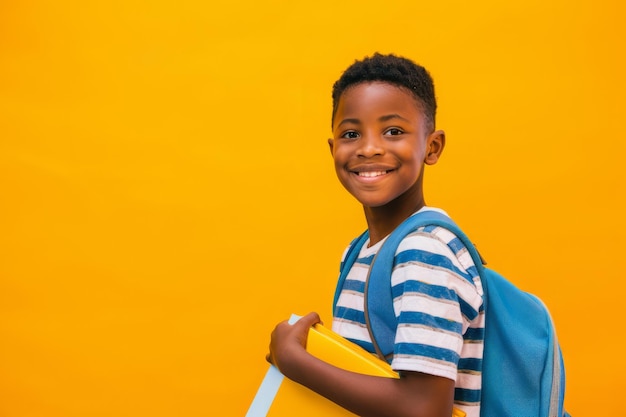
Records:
x=167, y=194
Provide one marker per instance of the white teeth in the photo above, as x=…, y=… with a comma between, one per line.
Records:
x=372, y=173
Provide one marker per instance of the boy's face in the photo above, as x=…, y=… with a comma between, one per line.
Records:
x=380, y=143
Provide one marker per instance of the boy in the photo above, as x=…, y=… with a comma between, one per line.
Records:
x=383, y=133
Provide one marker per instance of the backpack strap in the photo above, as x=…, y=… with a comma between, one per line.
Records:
x=346, y=265
x=379, y=313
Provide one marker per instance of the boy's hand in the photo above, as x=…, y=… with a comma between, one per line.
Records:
x=288, y=343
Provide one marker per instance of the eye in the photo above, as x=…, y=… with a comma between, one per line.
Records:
x=394, y=131
x=350, y=134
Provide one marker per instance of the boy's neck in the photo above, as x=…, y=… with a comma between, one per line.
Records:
x=381, y=221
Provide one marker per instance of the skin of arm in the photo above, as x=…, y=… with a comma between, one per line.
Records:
x=414, y=394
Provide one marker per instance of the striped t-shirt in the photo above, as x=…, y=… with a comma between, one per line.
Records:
x=437, y=298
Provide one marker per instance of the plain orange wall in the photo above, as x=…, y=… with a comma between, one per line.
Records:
x=167, y=194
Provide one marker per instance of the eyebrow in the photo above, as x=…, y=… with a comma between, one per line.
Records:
x=384, y=118
x=392, y=116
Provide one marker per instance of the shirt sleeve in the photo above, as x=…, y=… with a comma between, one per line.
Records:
x=437, y=294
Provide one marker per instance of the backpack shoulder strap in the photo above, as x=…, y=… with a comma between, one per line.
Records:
x=379, y=313
x=348, y=261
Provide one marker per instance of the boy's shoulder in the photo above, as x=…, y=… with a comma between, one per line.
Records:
x=429, y=234
x=435, y=244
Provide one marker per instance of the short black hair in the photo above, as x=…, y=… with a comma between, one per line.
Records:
x=395, y=70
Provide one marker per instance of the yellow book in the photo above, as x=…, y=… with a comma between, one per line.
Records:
x=280, y=397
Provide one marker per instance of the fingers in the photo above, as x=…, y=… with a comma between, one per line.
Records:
x=309, y=320
x=286, y=336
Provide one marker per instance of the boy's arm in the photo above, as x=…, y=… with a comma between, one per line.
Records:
x=414, y=394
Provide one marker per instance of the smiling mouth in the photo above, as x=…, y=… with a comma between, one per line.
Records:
x=371, y=174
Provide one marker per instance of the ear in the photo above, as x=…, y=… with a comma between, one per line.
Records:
x=330, y=144
x=435, y=143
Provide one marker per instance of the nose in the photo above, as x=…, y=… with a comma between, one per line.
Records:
x=371, y=145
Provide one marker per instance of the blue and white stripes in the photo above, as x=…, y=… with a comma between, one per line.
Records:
x=437, y=297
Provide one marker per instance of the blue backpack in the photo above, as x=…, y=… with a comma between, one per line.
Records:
x=522, y=371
